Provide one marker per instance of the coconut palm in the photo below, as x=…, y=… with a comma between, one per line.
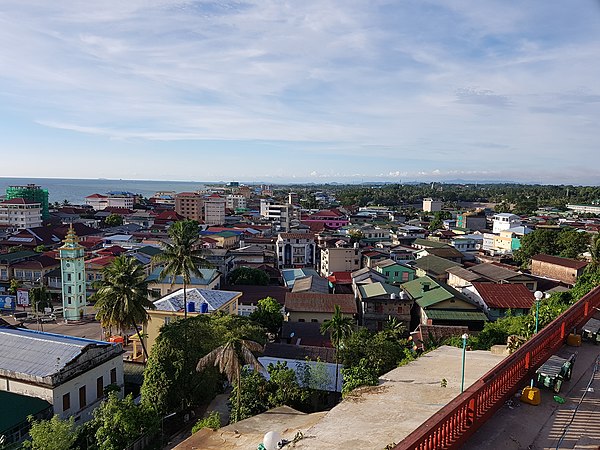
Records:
x=230, y=358
x=123, y=296
x=595, y=254
x=339, y=328
x=182, y=257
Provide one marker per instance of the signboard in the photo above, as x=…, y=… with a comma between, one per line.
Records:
x=7, y=302
x=22, y=298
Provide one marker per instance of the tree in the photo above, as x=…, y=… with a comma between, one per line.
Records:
x=53, y=434
x=40, y=298
x=118, y=423
x=253, y=394
x=595, y=254
x=230, y=358
x=14, y=286
x=363, y=374
x=339, y=328
x=284, y=388
x=248, y=276
x=182, y=257
x=122, y=298
x=572, y=243
x=212, y=421
x=268, y=314
x=40, y=249
x=355, y=236
x=170, y=378
x=113, y=220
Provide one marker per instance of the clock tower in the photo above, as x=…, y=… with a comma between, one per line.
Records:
x=72, y=269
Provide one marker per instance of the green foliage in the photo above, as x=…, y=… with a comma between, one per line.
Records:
x=113, y=220
x=212, y=421
x=268, y=314
x=118, y=422
x=565, y=242
x=40, y=249
x=14, y=286
x=313, y=375
x=362, y=374
x=253, y=394
x=53, y=434
x=248, y=276
x=284, y=388
x=40, y=298
x=171, y=381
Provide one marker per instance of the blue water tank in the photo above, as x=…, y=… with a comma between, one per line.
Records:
x=204, y=307
x=191, y=307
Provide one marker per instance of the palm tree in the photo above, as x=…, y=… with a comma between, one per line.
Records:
x=595, y=254
x=181, y=257
x=339, y=327
x=230, y=358
x=123, y=296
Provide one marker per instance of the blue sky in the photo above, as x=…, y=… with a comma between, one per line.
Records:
x=301, y=91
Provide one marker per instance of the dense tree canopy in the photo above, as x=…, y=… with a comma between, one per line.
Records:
x=248, y=276
x=268, y=313
x=565, y=242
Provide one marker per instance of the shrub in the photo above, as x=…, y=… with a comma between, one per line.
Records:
x=212, y=421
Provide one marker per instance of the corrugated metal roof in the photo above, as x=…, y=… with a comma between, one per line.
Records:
x=20, y=406
x=38, y=354
x=448, y=314
x=377, y=290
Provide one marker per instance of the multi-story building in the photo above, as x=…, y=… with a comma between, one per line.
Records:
x=296, y=250
x=100, y=201
x=73, y=277
x=471, y=220
x=281, y=214
x=431, y=205
x=20, y=213
x=339, y=259
x=214, y=210
x=189, y=205
x=33, y=193
x=504, y=221
x=236, y=201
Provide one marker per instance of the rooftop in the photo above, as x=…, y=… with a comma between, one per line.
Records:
x=320, y=303
x=564, y=262
x=505, y=296
x=215, y=299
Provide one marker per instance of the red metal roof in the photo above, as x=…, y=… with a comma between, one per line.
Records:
x=340, y=277
x=563, y=262
x=505, y=296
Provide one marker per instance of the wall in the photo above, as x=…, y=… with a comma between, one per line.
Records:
x=548, y=270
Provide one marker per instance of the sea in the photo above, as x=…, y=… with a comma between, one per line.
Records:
x=74, y=191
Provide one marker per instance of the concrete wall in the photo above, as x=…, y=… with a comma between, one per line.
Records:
x=561, y=273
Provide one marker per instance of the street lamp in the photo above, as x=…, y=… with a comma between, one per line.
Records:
x=538, y=296
x=462, y=380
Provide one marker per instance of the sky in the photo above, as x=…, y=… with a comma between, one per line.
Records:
x=317, y=91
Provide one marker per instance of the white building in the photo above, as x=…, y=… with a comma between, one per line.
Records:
x=295, y=250
x=338, y=259
x=504, y=221
x=20, y=213
x=236, y=201
x=68, y=372
x=431, y=205
x=100, y=201
x=585, y=209
x=280, y=214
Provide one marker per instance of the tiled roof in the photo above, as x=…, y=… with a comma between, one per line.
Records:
x=97, y=196
x=505, y=296
x=214, y=298
x=563, y=262
x=317, y=302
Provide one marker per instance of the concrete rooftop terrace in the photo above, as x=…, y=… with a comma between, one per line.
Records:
x=541, y=427
x=372, y=417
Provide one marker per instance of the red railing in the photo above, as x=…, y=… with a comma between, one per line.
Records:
x=452, y=426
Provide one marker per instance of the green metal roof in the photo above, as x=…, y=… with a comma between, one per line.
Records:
x=430, y=243
x=436, y=293
x=149, y=250
x=10, y=257
x=434, y=264
x=448, y=314
x=377, y=290
x=20, y=406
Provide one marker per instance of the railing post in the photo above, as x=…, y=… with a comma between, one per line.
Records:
x=528, y=360
x=562, y=330
x=586, y=308
x=471, y=411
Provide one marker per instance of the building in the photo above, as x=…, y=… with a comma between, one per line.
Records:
x=209, y=279
x=68, y=372
x=296, y=250
x=561, y=269
x=585, y=209
x=73, y=277
x=20, y=213
x=199, y=301
x=504, y=221
x=436, y=303
x=431, y=205
x=379, y=302
x=100, y=202
x=316, y=307
x=394, y=272
x=339, y=259
x=433, y=266
x=31, y=192
x=214, y=210
x=330, y=218
x=280, y=214
x=236, y=201
x=498, y=299
x=189, y=205
x=471, y=221
x=15, y=427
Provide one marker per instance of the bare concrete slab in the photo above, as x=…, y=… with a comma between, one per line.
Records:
x=377, y=416
x=550, y=425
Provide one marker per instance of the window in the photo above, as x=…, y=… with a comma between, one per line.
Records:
x=99, y=387
x=405, y=276
x=68, y=277
x=66, y=401
x=69, y=290
x=82, y=399
x=113, y=376
x=300, y=320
